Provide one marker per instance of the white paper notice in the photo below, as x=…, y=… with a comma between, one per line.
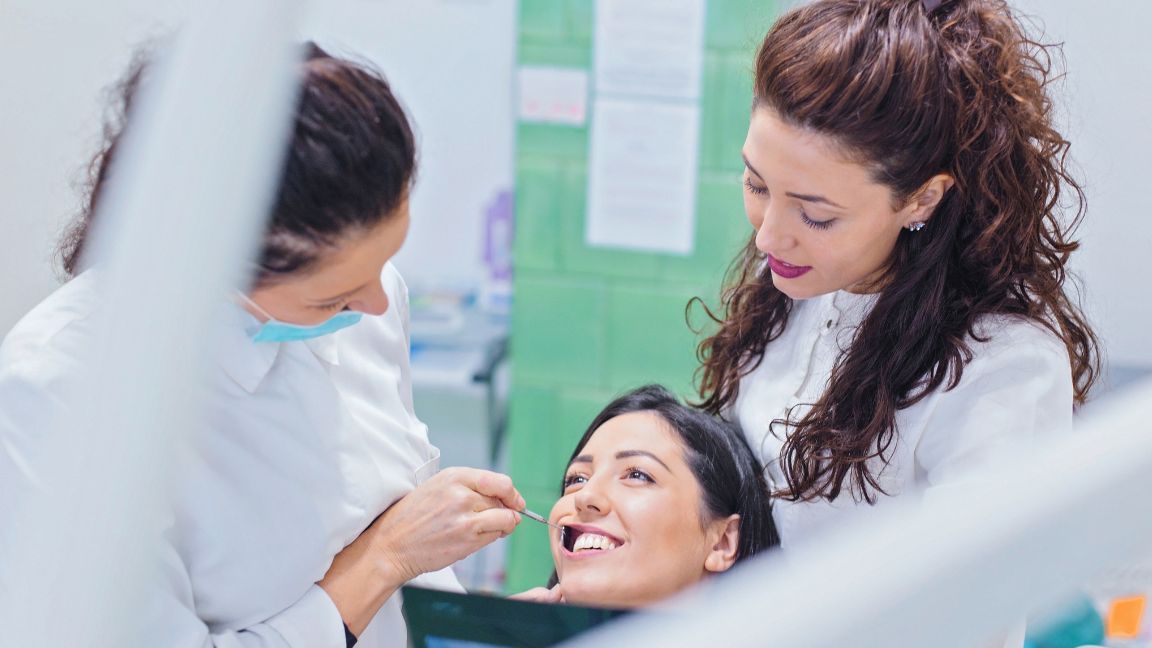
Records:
x=642, y=175
x=652, y=48
x=553, y=95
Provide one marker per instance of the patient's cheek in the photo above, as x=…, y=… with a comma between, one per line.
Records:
x=559, y=508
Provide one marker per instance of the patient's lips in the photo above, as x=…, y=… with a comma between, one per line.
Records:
x=581, y=540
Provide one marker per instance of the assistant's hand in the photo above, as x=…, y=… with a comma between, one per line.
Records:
x=445, y=519
x=541, y=595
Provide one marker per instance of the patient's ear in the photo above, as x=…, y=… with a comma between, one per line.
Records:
x=725, y=541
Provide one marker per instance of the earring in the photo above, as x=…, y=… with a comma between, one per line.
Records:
x=917, y=226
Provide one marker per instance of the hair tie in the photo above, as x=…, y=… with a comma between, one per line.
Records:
x=931, y=5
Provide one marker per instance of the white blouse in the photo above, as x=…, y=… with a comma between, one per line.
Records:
x=308, y=443
x=1017, y=390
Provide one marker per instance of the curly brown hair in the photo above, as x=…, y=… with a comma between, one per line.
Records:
x=911, y=93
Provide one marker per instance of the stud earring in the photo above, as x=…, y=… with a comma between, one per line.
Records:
x=917, y=226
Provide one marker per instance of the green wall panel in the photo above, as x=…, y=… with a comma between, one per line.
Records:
x=538, y=185
x=573, y=56
x=588, y=323
x=729, y=128
x=725, y=106
x=578, y=406
x=543, y=21
x=557, y=331
x=580, y=25
x=722, y=229
x=737, y=25
x=648, y=338
x=533, y=442
x=559, y=142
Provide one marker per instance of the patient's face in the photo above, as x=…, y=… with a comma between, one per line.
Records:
x=632, y=509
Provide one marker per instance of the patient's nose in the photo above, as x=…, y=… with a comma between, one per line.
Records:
x=591, y=498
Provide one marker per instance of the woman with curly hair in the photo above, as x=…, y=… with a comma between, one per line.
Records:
x=899, y=315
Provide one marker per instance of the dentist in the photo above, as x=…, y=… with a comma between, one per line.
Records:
x=314, y=494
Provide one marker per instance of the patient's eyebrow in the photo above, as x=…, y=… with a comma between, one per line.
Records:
x=623, y=454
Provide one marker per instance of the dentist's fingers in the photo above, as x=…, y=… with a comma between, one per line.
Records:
x=495, y=520
x=494, y=485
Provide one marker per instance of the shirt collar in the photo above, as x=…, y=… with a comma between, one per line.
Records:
x=248, y=362
x=245, y=361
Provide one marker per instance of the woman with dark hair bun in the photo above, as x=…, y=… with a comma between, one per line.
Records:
x=657, y=490
x=313, y=494
x=899, y=315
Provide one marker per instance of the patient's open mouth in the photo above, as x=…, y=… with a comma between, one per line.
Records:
x=583, y=539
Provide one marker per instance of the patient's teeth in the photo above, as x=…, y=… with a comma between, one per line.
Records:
x=593, y=541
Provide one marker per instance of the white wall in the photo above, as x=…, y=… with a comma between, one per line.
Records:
x=451, y=62
x=1106, y=95
x=55, y=57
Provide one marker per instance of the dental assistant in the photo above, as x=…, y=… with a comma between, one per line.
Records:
x=899, y=316
x=314, y=494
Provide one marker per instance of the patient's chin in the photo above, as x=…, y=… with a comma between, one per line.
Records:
x=615, y=590
x=599, y=598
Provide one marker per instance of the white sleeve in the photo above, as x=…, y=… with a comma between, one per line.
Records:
x=1016, y=393
x=312, y=621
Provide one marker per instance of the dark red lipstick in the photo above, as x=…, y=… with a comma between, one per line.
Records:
x=786, y=270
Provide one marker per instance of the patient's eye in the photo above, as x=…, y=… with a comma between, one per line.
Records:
x=573, y=479
x=639, y=475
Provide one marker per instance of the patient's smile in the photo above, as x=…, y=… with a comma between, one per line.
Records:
x=579, y=539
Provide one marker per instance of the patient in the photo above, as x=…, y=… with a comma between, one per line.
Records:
x=657, y=496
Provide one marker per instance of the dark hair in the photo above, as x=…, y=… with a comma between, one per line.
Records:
x=350, y=162
x=912, y=93
x=730, y=478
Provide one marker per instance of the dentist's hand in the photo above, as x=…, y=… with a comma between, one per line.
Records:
x=449, y=517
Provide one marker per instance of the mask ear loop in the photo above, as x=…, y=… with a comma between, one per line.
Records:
x=253, y=304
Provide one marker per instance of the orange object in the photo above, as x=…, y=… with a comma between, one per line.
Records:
x=1124, y=617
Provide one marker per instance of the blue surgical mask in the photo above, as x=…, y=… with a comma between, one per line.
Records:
x=274, y=330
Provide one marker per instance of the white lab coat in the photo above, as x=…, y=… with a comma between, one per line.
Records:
x=1015, y=393
x=307, y=443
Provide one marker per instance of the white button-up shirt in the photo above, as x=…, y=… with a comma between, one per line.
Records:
x=307, y=443
x=1017, y=390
